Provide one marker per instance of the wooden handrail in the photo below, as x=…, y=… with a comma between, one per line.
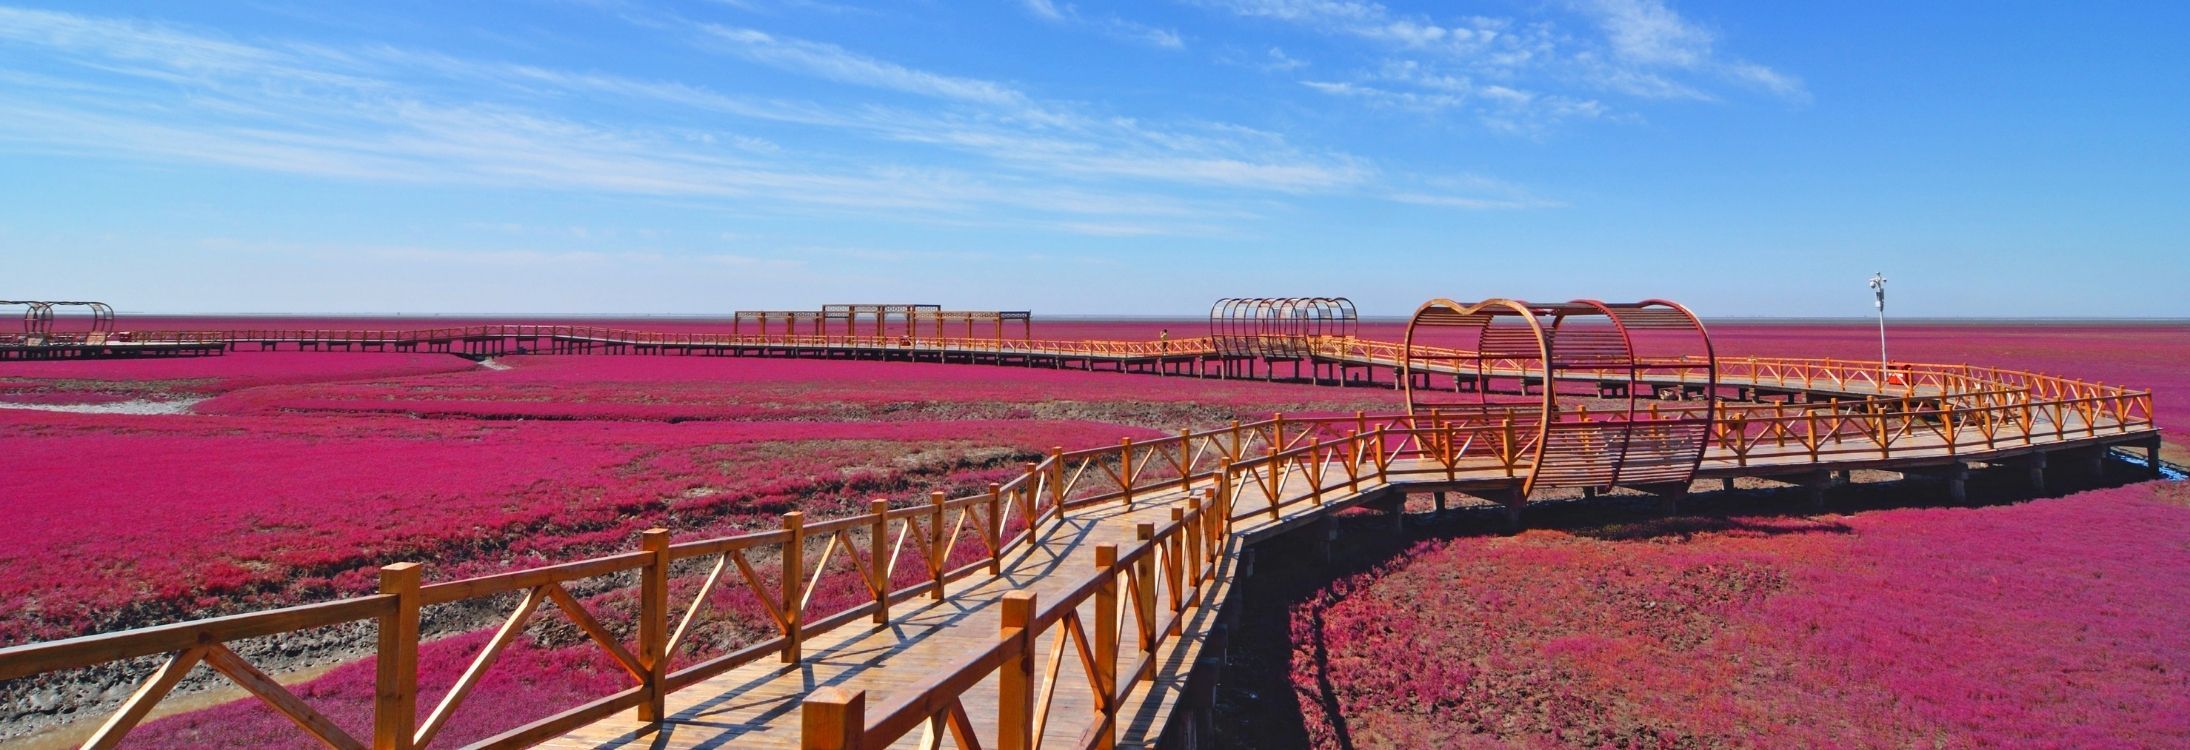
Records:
x=1967, y=410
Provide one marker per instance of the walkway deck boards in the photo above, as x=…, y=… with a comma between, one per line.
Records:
x=756, y=706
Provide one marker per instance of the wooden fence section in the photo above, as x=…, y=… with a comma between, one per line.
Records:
x=1191, y=498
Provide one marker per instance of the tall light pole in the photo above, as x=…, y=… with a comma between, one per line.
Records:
x=1878, y=288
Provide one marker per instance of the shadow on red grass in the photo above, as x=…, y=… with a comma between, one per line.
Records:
x=1898, y=621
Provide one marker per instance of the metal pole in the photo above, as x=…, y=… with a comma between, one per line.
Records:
x=1878, y=287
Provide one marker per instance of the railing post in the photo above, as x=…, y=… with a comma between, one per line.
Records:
x=794, y=576
x=878, y=561
x=1275, y=485
x=1353, y=461
x=654, y=621
x=1224, y=490
x=1144, y=594
x=1197, y=535
x=395, y=700
x=1174, y=568
x=1383, y=460
x=833, y=718
x=1105, y=672
x=1125, y=470
x=1215, y=523
x=1057, y=480
x=1508, y=454
x=1314, y=472
x=1186, y=459
x=936, y=564
x=994, y=528
x=1015, y=678
x=1027, y=486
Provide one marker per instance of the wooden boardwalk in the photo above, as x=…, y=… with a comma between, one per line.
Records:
x=1092, y=628
x=757, y=705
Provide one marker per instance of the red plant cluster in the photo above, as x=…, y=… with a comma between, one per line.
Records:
x=716, y=388
x=123, y=519
x=92, y=381
x=309, y=470
x=2051, y=623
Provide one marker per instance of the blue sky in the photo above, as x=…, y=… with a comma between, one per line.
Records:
x=2023, y=159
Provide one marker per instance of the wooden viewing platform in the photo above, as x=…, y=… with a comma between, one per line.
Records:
x=1072, y=605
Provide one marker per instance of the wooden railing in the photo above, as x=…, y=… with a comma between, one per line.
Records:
x=954, y=537
x=188, y=644
x=1846, y=377
x=1154, y=586
x=1229, y=474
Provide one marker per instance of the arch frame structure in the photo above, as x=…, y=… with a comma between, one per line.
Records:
x=1619, y=349
x=38, y=315
x=1279, y=326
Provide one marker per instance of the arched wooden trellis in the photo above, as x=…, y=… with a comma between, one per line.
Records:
x=1278, y=326
x=1520, y=358
x=38, y=314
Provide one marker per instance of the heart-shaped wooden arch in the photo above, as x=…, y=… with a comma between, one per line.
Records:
x=1544, y=345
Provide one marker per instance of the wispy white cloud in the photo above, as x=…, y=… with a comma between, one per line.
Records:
x=966, y=151
x=1648, y=40
x=1411, y=85
x=357, y=115
x=1467, y=192
x=1523, y=75
x=1109, y=25
x=843, y=66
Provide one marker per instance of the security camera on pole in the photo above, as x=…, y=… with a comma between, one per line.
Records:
x=1878, y=287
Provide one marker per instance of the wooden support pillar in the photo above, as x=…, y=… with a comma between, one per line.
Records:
x=2095, y=462
x=395, y=700
x=794, y=579
x=2152, y=457
x=1670, y=495
x=1841, y=477
x=2036, y=464
x=1958, y=482
x=1015, y=682
x=993, y=528
x=878, y=575
x=654, y=622
x=1144, y=579
x=1726, y=484
x=1814, y=485
x=937, y=566
x=1105, y=619
x=833, y=718
x=1440, y=496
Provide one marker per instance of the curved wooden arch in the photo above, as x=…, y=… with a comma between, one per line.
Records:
x=1278, y=326
x=1446, y=313
x=38, y=314
x=1545, y=345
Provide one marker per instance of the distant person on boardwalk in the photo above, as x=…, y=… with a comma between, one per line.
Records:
x=1163, y=339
